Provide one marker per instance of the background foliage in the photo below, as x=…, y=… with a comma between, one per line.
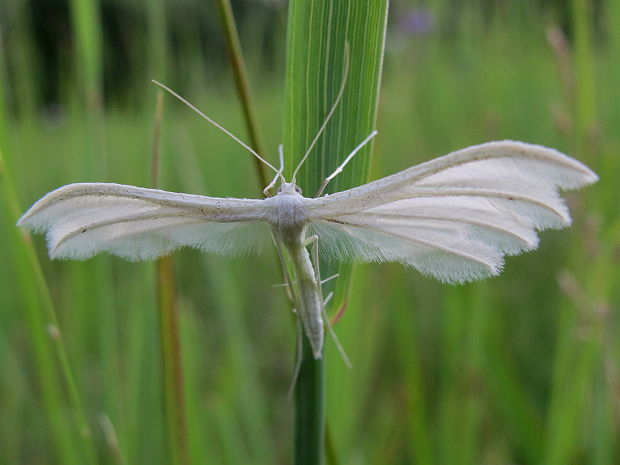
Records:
x=519, y=369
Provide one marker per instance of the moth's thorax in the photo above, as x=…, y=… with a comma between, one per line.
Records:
x=287, y=213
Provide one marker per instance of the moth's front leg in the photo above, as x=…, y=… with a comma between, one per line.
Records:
x=311, y=240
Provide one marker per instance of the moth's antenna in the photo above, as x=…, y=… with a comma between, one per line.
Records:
x=345, y=75
x=221, y=128
x=278, y=173
x=338, y=170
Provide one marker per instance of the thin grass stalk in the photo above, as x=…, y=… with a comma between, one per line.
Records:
x=239, y=377
x=451, y=398
x=254, y=413
x=579, y=346
x=477, y=346
x=406, y=336
x=172, y=366
x=21, y=58
x=45, y=333
x=331, y=457
x=517, y=412
x=88, y=59
x=585, y=98
x=86, y=23
x=87, y=29
x=157, y=39
x=4, y=94
x=171, y=359
x=237, y=64
x=156, y=149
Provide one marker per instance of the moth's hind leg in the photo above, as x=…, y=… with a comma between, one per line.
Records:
x=332, y=333
x=326, y=280
x=285, y=271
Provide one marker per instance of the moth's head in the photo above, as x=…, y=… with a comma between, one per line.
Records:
x=289, y=188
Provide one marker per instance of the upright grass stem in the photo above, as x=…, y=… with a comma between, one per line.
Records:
x=237, y=64
x=171, y=359
x=86, y=22
x=21, y=57
x=585, y=98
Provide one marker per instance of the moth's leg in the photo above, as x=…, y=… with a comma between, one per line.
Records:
x=285, y=271
x=314, y=242
x=326, y=280
x=298, y=356
x=293, y=282
x=332, y=333
x=311, y=240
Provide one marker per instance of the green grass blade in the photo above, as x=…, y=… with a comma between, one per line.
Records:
x=87, y=29
x=237, y=63
x=584, y=111
x=21, y=58
x=157, y=39
x=46, y=338
x=85, y=16
x=320, y=35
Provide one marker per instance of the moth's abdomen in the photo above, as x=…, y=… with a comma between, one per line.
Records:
x=311, y=300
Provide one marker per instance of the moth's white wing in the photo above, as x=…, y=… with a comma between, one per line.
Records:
x=454, y=217
x=81, y=220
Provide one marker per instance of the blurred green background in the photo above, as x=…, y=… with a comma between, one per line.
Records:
x=521, y=369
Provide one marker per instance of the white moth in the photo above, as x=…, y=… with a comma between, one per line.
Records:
x=453, y=218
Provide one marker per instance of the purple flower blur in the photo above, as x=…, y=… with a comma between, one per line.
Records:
x=417, y=22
